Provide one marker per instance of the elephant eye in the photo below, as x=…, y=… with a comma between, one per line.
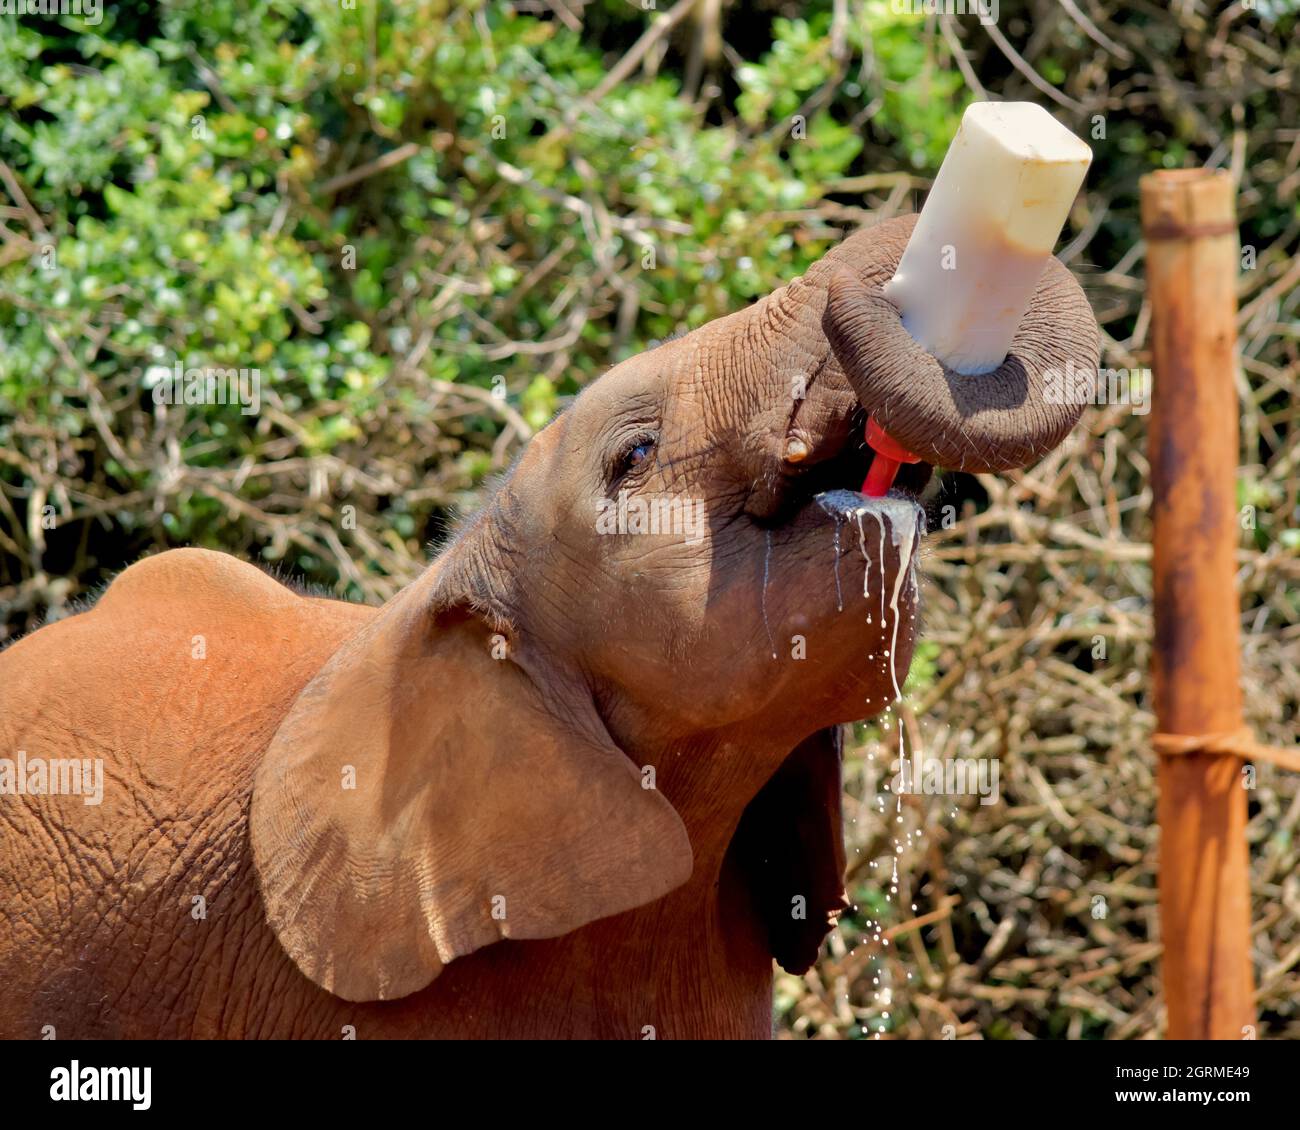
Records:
x=638, y=454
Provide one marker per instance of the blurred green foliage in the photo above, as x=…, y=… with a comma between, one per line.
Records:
x=181, y=160
x=368, y=203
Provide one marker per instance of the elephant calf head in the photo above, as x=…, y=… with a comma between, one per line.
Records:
x=673, y=571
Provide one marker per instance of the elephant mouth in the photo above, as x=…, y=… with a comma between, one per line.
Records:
x=842, y=473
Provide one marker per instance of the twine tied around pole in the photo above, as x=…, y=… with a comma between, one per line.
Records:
x=1239, y=743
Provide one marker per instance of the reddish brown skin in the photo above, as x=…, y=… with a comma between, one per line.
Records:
x=103, y=944
x=98, y=938
x=98, y=933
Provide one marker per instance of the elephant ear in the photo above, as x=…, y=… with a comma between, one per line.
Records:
x=423, y=798
x=790, y=847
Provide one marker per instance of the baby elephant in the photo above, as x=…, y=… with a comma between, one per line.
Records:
x=581, y=779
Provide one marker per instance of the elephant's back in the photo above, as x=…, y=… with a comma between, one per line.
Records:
x=158, y=702
x=185, y=660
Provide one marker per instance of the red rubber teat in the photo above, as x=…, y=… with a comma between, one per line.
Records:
x=890, y=455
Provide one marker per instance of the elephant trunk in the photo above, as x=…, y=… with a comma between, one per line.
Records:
x=802, y=365
x=996, y=421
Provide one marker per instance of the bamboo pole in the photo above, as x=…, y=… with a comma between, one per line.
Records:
x=1189, y=222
